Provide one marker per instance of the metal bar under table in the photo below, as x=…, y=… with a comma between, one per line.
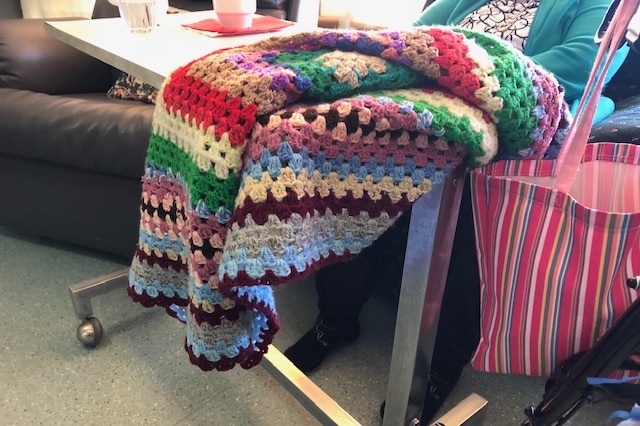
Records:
x=431, y=232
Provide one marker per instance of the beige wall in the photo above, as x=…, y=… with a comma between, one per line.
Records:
x=402, y=14
x=57, y=8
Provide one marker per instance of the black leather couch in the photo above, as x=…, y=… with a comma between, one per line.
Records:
x=71, y=158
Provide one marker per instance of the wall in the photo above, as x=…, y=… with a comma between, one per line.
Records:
x=57, y=8
x=395, y=14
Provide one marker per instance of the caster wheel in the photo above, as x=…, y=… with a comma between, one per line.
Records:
x=90, y=332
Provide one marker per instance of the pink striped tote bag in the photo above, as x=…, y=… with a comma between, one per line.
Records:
x=553, y=265
x=554, y=252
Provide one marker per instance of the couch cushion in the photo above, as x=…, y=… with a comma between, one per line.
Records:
x=88, y=131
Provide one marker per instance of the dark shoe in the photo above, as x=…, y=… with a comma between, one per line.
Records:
x=308, y=352
x=439, y=388
x=441, y=383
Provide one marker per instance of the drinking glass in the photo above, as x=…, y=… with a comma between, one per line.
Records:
x=140, y=15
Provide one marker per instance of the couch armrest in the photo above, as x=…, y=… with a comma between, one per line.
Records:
x=33, y=60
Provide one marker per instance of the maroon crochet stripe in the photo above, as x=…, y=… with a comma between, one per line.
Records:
x=233, y=314
x=246, y=359
x=216, y=316
x=163, y=261
x=160, y=300
x=307, y=204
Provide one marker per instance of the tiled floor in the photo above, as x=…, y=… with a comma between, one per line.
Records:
x=140, y=374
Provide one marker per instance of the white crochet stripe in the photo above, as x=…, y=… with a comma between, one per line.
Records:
x=490, y=83
x=459, y=108
x=221, y=156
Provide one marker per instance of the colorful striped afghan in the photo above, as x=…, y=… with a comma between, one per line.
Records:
x=272, y=160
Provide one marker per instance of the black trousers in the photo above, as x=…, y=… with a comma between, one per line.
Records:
x=344, y=288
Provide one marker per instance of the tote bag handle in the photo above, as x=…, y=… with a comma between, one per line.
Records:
x=578, y=135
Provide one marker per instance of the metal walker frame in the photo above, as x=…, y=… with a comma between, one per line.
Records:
x=431, y=232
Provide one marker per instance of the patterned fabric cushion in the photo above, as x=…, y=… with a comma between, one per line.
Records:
x=129, y=87
x=621, y=126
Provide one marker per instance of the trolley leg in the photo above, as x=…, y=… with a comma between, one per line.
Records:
x=431, y=232
x=320, y=405
x=90, y=331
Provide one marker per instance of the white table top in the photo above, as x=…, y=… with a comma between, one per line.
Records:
x=152, y=56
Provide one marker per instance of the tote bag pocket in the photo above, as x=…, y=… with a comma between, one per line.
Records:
x=553, y=265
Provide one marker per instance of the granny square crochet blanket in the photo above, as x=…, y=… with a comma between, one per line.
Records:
x=271, y=160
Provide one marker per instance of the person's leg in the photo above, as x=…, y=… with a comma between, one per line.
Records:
x=343, y=289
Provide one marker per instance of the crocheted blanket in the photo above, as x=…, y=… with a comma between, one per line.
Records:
x=271, y=160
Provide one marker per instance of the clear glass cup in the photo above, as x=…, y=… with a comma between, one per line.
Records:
x=140, y=15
